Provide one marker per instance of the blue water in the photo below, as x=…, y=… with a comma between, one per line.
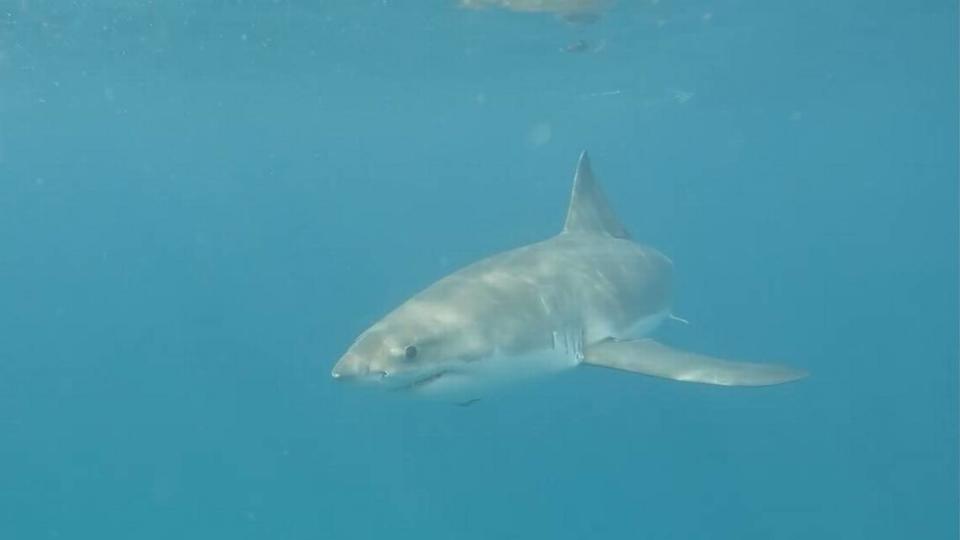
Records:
x=203, y=202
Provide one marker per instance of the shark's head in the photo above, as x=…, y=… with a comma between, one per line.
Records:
x=414, y=345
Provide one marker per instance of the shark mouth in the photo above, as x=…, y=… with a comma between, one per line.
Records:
x=420, y=383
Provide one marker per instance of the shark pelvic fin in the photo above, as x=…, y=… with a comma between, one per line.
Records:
x=648, y=357
x=589, y=211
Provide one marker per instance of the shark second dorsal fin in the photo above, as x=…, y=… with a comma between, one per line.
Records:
x=589, y=211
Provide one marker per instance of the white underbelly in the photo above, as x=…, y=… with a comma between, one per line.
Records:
x=472, y=380
x=475, y=379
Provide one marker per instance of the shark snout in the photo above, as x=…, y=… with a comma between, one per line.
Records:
x=352, y=366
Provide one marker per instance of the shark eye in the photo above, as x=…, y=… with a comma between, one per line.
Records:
x=410, y=352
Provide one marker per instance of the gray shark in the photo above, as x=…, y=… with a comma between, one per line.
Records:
x=589, y=296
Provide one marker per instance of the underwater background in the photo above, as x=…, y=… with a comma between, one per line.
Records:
x=203, y=202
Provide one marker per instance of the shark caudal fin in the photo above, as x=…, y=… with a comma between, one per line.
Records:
x=589, y=211
x=648, y=357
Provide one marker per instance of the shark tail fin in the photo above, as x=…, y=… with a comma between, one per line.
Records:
x=589, y=211
x=648, y=357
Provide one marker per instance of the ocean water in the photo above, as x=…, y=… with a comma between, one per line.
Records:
x=203, y=202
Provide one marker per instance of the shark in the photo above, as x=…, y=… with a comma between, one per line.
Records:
x=587, y=296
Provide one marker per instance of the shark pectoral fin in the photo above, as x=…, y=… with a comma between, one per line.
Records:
x=648, y=357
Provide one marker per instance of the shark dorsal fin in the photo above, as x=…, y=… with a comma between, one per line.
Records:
x=589, y=211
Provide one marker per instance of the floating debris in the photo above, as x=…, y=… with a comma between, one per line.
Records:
x=603, y=93
x=572, y=11
x=682, y=96
x=583, y=46
x=539, y=134
x=578, y=46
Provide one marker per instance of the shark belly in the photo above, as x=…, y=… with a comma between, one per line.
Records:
x=475, y=379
